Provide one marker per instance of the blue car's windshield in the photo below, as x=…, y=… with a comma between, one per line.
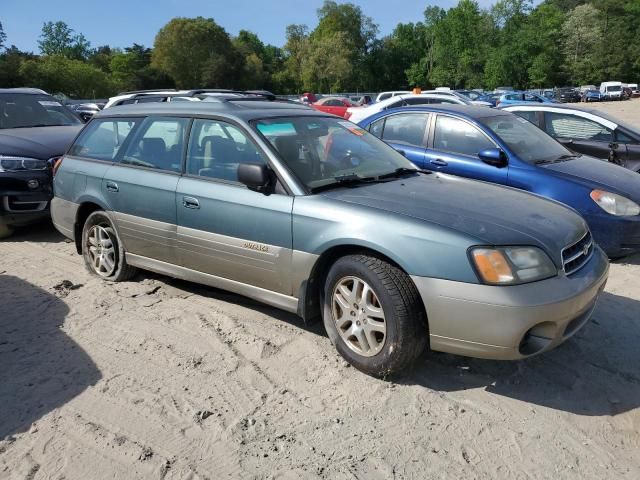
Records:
x=324, y=151
x=523, y=138
x=19, y=110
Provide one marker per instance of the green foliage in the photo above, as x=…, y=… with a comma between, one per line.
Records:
x=197, y=52
x=3, y=36
x=57, y=73
x=555, y=43
x=58, y=39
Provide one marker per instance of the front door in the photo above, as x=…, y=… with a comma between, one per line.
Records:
x=225, y=229
x=582, y=135
x=454, y=149
x=141, y=188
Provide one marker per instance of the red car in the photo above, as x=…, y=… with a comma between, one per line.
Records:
x=335, y=105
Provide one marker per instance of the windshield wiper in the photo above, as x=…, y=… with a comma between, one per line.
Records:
x=561, y=158
x=40, y=125
x=347, y=179
x=403, y=171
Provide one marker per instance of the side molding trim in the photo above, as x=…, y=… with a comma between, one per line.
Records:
x=278, y=300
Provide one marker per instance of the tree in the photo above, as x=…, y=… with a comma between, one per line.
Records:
x=10, y=62
x=59, y=74
x=196, y=52
x=326, y=66
x=3, y=36
x=295, y=49
x=581, y=33
x=59, y=39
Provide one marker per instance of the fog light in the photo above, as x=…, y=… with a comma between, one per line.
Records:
x=33, y=184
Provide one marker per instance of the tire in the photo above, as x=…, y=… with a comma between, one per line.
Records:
x=5, y=230
x=387, y=331
x=102, y=249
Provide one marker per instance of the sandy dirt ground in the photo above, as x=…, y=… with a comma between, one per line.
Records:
x=163, y=379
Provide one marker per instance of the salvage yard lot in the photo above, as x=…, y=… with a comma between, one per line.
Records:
x=160, y=378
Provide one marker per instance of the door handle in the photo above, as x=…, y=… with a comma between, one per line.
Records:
x=438, y=162
x=112, y=186
x=190, y=202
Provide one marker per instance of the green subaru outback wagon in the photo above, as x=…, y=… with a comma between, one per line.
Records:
x=309, y=213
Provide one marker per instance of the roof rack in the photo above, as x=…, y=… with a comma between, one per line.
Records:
x=149, y=91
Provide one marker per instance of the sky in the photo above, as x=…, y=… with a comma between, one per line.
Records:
x=120, y=23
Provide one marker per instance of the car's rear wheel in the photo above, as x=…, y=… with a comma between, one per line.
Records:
x=373, y=315
x=102, y=250
x=5, y=230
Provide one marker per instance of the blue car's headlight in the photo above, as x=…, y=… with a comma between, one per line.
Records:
x=615, y=204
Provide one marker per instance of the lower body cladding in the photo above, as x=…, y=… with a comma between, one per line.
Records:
x=511, y=322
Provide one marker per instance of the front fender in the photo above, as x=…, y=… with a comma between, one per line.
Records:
x=418, y=247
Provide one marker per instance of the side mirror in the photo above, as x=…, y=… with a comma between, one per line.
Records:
x=494, y=157
x=255, y=176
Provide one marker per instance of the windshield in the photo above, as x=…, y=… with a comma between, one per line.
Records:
x=22, y=110
x=614, y=88
x=524, y=139
x=323, y=151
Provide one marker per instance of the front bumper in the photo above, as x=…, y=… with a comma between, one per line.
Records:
x=24, y=196
x=509, y=323
x=617, y=236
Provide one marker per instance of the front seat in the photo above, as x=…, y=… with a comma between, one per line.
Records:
x=154, y=150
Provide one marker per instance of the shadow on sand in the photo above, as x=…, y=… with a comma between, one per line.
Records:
x=41, y=368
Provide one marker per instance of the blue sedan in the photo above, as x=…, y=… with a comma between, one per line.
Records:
x=499, y=147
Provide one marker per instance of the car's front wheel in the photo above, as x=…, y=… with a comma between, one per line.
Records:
x=102, y=250
x=373, y=315
x=5, y=230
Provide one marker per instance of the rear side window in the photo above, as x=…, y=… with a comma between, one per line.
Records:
x=529, y=115
x=457, y=136
x=406, y=129
x=158, y=143
x=102, y=139
x=216, y=149
x=561, y=125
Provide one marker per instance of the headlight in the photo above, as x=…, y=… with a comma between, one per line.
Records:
x=615, y=204
x=12, y=164
x=512, y=265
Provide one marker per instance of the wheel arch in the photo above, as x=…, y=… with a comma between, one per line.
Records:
x=86, y=208
x=310, y=294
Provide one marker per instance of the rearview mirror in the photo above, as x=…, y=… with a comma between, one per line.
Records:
x=255, y=176
x=494, y=157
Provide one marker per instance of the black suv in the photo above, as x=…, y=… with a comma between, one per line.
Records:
x=567, y=95
x=35, y=129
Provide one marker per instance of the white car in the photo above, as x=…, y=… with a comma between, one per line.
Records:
x=385, y=95
x=453, y=93
x=360, y=113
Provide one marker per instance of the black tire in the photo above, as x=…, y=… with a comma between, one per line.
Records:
x=5, y=230
x=406, y=324
x=121, y=271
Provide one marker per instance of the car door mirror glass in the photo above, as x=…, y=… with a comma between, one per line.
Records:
x=494, y=157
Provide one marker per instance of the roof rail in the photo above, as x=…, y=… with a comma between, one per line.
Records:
x=149, y=91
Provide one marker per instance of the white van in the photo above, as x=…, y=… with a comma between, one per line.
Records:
x=611, y=90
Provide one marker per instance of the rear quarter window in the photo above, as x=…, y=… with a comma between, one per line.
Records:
x=102, y=139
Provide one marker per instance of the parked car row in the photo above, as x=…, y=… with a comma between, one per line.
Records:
x=283, y=203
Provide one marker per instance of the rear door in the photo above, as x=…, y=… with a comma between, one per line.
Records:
x=141, y=187
x=580, y=135
x=454, y=145
x=225, y=229
x=406, y=132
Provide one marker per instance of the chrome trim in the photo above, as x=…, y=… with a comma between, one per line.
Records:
x=587, y=257
x=278, y=300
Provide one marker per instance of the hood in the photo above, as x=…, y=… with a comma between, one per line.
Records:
x=37, y=142
x=594, y=173
x=492, y=214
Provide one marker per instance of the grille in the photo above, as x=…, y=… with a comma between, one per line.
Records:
x=575, y=256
